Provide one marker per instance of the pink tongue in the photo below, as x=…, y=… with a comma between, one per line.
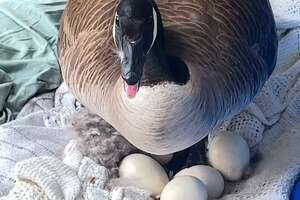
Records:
x=131, y=90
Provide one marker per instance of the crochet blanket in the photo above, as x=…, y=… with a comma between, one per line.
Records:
x=270, y=124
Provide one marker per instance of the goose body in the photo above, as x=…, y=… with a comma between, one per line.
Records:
x=226, y=51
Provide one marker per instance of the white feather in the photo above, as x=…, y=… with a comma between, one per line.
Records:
x=114, y=30
x=154, y=29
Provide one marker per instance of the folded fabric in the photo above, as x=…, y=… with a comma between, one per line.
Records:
x=74, y=178
x=37, y=131
x=28, y=60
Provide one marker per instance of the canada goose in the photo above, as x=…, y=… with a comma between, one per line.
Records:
x=165, y=73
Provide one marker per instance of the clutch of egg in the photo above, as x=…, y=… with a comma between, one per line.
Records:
x=228, y=154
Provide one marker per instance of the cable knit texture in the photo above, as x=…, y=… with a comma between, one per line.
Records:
x=270, y=125
x=54, y=179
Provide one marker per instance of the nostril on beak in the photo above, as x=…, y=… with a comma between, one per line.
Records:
x=131, y=78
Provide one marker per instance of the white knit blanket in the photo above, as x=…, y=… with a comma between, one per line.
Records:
x=36, y=132
x=271, y=125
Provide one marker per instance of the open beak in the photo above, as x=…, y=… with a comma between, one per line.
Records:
x=132, y=67
x=131, y=90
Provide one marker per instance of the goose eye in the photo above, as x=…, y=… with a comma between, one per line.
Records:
x=117, y=21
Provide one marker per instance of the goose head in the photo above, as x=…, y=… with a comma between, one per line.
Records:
x=134, y=33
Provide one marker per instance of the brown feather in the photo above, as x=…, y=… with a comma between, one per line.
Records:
x=229, y=46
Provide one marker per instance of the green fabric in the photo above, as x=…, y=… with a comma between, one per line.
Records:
x=28, y=56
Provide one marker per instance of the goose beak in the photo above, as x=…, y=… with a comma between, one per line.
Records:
x=131, y=90
x=132, y=67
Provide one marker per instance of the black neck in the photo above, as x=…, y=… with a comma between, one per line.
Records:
x=156, y=67
x=160, y=67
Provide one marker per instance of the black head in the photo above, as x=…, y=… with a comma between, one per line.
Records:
x=134, y=32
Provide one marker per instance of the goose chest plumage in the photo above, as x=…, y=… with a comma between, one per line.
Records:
x=166, y=73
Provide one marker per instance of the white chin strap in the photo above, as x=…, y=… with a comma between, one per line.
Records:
x=154, y=35
x=114, y=29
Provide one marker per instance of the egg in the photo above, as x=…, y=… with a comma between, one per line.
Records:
x=145, y=172
x=211, y=178
x=230, y=154
x=184, y=188
x=163, y=159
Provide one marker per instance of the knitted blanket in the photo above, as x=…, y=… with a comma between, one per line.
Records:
x=270, y=124
x=36, y=132
x=76, y=177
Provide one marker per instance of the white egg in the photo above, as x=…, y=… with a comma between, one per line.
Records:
x=211, y=178
x=230, y=154
x=145, y=172
x=184, y=188
x=163, y=159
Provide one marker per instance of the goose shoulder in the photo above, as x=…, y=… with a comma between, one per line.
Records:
x=231, y=41
x=220, y=26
